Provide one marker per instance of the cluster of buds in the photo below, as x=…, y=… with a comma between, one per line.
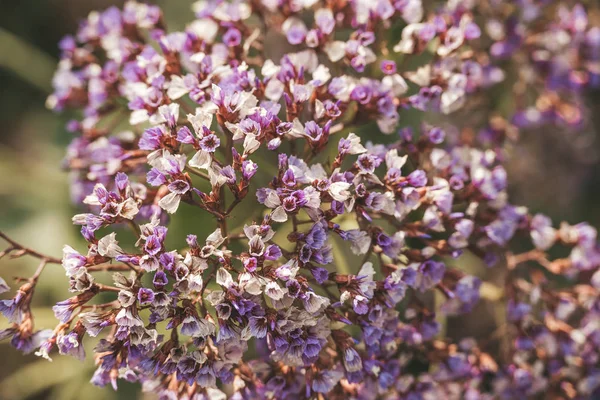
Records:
x=274, y=309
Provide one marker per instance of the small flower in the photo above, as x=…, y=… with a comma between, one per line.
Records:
x=27, y=341
x=388, y=67
x=72, y=261
x=108, y=246
x=232, y=37
x=70, y=344
x=3, y=286
x=210, y=143
x=352, y=360
x=350, y=145
x=145, y=296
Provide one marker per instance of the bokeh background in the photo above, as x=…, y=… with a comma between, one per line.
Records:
x=551, y=171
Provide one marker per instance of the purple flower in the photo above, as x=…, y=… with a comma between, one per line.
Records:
x=388, y=67
x=232, y=37
x=11, y=310
x=313, y=131
x=324, y=381
x=430, y=273
x=70, y=344
x=467, y=290
x=153, y=245
x=151, y=139
x=352, y=360
x=184, y=135
x=155, y=177
x=210, y=143
x=26, y=341
x=145, y=296
x=179, y=187
x=320, y=274
x=417, y=178
x=273, y=252
x=160, y=280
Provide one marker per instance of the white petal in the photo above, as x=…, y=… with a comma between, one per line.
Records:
x=170, y=203
x=279, y=215
x=335, y=50
x=201, y=160
x=108, y=246
x=224, y=278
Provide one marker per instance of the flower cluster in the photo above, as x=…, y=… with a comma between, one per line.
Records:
x=275, y=309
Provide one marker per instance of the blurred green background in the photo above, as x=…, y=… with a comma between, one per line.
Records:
x=550, y=171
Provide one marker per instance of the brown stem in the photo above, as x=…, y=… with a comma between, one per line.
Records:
x=39, y=270
x=134, y=227
x=201, y=174
x=108, y=267
x=106, y=288
x=25, y=250
x=233, y=205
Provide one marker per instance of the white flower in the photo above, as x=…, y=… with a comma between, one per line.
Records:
x=306, y=59
x=388, y=124
x=250, y=283
x=201, y=160
x=451, y=100
x=149, y=263
x=224, y=278
x=454, y=96
x=288, y=270
x=269, y=69
x=170, y=203
x=413, y=11
x=203, y=117
x=367, y=286
x=195, y=282
x=339, y=191
x=92, y=199
x=129, y=209
x=216, y=178
x=72, y=261
x=360, y=241
x=407, y=42
x=250, y=144
x=293, y=23
x=108, y=246
x=177, y=87
x=163, y=160
x=301, y=93
x=205, y=28
x=216, y=238
x=432, y=220
x=355, y=146
x=335, y=50
x=274, y=291
x=393, y=160
x=274, y=89
x=313, y=302
x=279, y=215
x=168, y=114
x=321, y=75
x=396, y=84
x=421, y=77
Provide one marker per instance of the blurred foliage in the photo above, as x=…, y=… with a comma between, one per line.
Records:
x=36, y=209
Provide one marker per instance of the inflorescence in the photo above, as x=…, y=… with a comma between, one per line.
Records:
x=310, y=132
